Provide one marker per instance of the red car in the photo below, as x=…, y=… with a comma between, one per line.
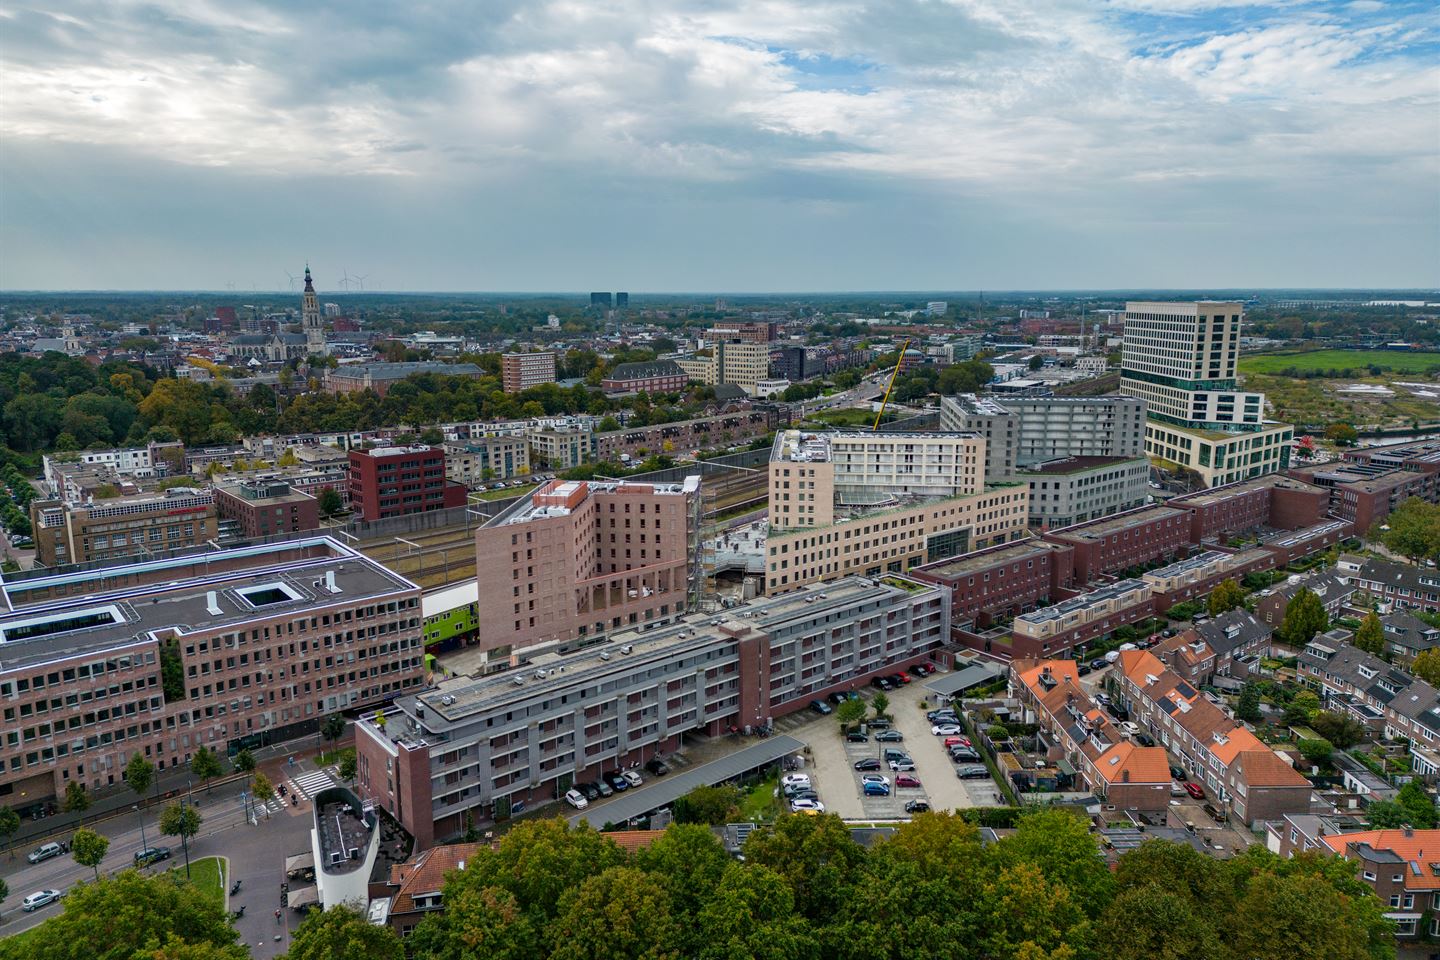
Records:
x=1195, y=790
x=906, y=780
x=956, y=742
x=903, y=677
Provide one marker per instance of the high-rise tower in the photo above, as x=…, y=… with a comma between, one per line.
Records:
x=314, y=328
x=1181, y=359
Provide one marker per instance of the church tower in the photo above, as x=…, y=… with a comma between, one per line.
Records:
x=314, y=329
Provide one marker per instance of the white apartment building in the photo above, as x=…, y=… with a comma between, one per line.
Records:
x=1180, y=358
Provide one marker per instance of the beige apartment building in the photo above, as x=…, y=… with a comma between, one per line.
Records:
x=521, y=371
x=122, y=527
x=741, y=362
x=577, y=560
x=871, y=503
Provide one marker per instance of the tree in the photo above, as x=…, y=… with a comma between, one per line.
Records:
x=129, y=916
x=1037, y=362
x=689, y=860
x=245, y=761
x=751, y=915
x=1059, y=843
x=851, y=711
x=206, y=766
x=1248, y=709
x=1386, y=815
x=89, y=848
x=343, y=932
x=77, y=800
x=815, y=856
x=1304, y=617
x=478, y=923
x=1419, y=807
x=1426, y=666
x=708, y=805
x=1342, y=434
x=1153, y=923
x=263, y=791
x=1227, y=595
x=1302, y=707
x=180, y=820
x=1341, y=729
x=1413, y=530
x=348, y=766
x=9, y=824
x=332, y=728
x=1316, y=751
x=619, y=914
x=1371, y=635
x=330, y=502
x=4, y=890
x=1301, y=918
x=880, y=702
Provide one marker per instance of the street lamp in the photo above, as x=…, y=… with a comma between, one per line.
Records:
x=143, y=844
x=184, y=834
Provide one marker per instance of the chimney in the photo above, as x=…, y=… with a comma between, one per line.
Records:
x=1124, y=776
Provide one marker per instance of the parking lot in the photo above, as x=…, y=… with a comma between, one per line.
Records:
x=839, y=783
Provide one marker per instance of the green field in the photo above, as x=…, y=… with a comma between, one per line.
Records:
x=207, y=874
x=1395, y=361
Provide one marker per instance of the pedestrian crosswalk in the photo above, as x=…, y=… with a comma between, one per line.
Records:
x=309, y=784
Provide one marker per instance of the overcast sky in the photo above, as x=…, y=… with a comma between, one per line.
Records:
x=740, y=145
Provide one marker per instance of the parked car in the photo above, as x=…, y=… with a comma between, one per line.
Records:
x=1129, y=728
x=633, y=778
x=869, y=763
x=838, y=697
x=801, y=793
x=855, y=736
x=40, y=898
x=657, y=767
x=895, y=753
x=1177, y=772
x=591, y=791
x=882, y=683
x=879, y=723
x=1102, y=699
x=935, y=715
x=874, y=778
x=906, y=780
x=44, y=852
x=1144, y=739
x=576, y=799
x=1100, y=663
x=151, y=855
x=617, y=782
x=795, y=779
x=806, y=804
x=946, y=729
x=956, y=742
x=917, y=806
x=889, y=736
x=902, y=764
x=902, y=677
x=1195, y=790
x=922, y=669
x=1084, y=669
x=603, y=787
x=877, y=789
x=972, y=771
x=1215, y=813
x=821, y=707
x=1112, y=656
x=963, y=755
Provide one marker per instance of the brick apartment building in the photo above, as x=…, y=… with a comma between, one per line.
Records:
x=1001, y=581
x=652, y=376
x=521, y=371
x=1059, y=629
x=581, y=559
x=1366, y=494
x=1274, y=501
x=682, y=436
x=1125, y=540
x=397, y=481
x=263, y=508
x=1272, y=602
x=484, y=744
x=122, y=527
x=1228, y=645
x=1238, y=771
x=380, y=377
x=1397, y=584
x=268, y=640
x=1394, y=864
x=1074, y=729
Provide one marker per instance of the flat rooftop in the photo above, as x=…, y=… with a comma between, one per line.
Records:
x=968, y=563
x=1067, y=465
x=1220, y=494
x=343, y=831
x=566, y=491
x=91, y=611
x=1188, y=564
x=1099, y=529
x=802, y=446
x=1424, y=452
x=1083, y=602
x=1291, y=538
x=550, y=674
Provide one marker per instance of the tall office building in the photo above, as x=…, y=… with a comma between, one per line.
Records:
x=600, y=299
x=622, y=300
x=314, y=327
x=1180, y=358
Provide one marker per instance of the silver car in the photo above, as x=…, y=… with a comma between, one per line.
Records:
x=39, y=898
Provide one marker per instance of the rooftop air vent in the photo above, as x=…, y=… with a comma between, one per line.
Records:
x=627, y=649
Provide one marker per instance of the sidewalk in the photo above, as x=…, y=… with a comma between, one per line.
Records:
x=169, y=785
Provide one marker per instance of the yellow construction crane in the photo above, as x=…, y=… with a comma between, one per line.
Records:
x=890, y=386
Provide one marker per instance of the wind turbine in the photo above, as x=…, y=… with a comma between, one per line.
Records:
x=360, y=280
x=345, y=280
x=292, y=277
